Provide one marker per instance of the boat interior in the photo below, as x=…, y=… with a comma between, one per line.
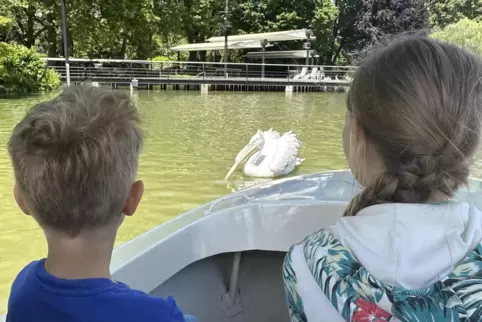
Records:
x=203, y=288
x=224, y=260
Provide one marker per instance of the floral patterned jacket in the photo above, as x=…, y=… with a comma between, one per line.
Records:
x=358, y=296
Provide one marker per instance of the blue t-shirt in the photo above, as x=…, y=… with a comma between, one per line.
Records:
x=38, y=296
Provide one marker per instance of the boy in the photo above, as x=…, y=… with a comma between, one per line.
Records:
x=75, y=160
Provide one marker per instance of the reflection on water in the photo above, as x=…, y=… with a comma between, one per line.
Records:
x=191, y=142
x=245, y=182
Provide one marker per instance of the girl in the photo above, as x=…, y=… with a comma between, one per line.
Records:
x=403, y=250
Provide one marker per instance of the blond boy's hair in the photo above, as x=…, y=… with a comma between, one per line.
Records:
x=75, y=158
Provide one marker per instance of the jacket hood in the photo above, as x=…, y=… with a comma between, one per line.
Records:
x=411, y=245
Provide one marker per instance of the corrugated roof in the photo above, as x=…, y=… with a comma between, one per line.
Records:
x=299, y=34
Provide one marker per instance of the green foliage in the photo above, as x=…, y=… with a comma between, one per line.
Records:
x=162, y=58
x=466, y=33
x=160, y=62
x=344, y=29
x=269, y=15
x=324, y=24
x=445, y=12
x=97, y=28
x=5, y=26
x=112, y=29
x=347, y=31
x=23, y=70
x=5, y=23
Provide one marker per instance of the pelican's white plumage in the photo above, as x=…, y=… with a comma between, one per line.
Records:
x=270, y=155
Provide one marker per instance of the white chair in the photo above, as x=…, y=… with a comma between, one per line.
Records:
x=304, y=70
x=313, y=74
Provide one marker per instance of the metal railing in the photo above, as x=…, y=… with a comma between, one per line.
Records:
x=106, y=70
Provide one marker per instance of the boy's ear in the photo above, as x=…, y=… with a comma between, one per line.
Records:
x=19, y=199
x=134, y=198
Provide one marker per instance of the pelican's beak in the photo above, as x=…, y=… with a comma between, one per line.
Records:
x=245, y=153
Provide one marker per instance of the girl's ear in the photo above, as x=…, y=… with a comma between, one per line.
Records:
x=355, y=147
x=358, y=135
x=353, y=137
x=364, y=159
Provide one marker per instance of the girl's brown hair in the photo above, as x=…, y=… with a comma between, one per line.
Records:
x=418, y=102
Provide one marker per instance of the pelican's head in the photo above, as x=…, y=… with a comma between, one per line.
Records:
x=255, y=144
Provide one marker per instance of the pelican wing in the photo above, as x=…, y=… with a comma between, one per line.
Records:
x=287, y=148
x=271, y=134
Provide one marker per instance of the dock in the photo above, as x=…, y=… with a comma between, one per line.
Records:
x=204, y=76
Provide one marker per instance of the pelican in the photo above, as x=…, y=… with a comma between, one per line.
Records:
x=270, y=155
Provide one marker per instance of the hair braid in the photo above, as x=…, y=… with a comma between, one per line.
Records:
x=416, y=181
x=381, y=191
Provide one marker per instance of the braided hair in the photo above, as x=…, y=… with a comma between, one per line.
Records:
x=419, y=102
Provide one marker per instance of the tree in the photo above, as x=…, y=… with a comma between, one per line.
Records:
x=23, y=70
x=96, y=28
x=367, y=22
x=112, y=29
x=445, y=12
x=347, y=29
x=272, y=15
x=25, y=17
x=335, y=27
x=466, y=33
x=199, y=20
x=169, y=26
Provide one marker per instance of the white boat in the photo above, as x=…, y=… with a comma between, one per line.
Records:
x=222, y=261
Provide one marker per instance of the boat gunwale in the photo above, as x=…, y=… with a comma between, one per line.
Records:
x=119, y=259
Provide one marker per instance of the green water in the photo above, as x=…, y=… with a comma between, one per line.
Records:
x=191, y=142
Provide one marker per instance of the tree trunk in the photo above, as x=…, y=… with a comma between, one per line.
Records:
x=122, y=53
x=202, y=55
x=144, y=49
x=30, y=38
x=192, y=56
x=51, y=36
x=338, y=51
x=71, y=43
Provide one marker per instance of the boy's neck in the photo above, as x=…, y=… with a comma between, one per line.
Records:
x=82, y=257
